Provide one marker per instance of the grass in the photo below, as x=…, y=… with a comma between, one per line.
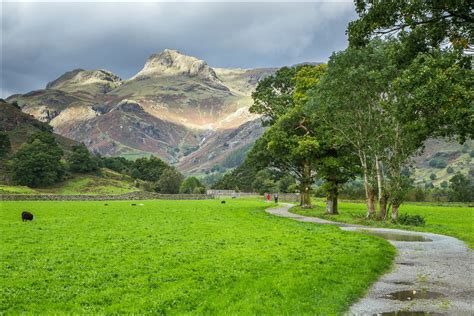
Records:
x=176, y=257
x=456, y=221
x=11, y=189
x=89, y=184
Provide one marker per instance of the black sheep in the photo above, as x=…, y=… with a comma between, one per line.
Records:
x=26, y=216
x=223, y=202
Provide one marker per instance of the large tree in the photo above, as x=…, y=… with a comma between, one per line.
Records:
x=81, y=160
x=37, y=164
x=169, y=181
x=149, y=168
x=289, y=147
x=422, y=23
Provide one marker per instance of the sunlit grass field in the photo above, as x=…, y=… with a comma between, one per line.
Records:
x=456, y=221
x=179, y=257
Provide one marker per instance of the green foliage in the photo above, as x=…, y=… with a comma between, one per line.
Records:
x=180, y=257
x=169, y=181
x=471, y=154
x=264, y=183
x=5, y=145
x=240, y=178
x=461, y=189
x=273, y=96
x=237, y=157
x=450, y=170
x=287, y=184
x=420, y=24
x=432, y=176
x=118, y=164
x=80, y=160
x=410, y=220
x=37, y=163
x=192, y=185
x=149, y=168
x=444, y=184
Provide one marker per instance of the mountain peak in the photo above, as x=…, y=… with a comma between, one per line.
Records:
x=96, y=80
x=173, y=62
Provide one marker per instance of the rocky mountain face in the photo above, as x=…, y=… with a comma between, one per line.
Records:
x=176, y=107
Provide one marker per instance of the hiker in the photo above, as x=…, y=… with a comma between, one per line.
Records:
x=275, y=196
x=268, y=197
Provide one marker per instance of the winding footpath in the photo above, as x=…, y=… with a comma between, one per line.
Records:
x=433, y=276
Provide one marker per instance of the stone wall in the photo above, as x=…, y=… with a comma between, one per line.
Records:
x=127, y=196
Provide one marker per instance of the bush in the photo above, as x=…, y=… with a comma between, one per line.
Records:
x=450, y=170
x=444, y=184
x=5, y=145
x=432, y=176
x=411, y=220
x=37, y=164
x=169, y=182
x=438, y=163
x=191, y=185
x=472, y=153
x=80, y=160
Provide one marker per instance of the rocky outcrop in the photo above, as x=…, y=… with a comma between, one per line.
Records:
x=91, y=81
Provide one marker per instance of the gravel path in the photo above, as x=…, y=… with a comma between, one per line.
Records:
x=437, y=275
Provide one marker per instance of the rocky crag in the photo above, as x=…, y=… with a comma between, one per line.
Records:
x=176, y=107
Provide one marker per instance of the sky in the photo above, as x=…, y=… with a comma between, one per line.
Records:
x=42, y=40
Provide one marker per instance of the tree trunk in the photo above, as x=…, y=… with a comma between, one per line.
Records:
x=383, y=207
x=371, y=203
x=331, y=201
x=395, y=211
x=306, y=197
x=306, y=187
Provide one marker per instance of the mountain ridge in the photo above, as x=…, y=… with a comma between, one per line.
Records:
x=173, y=107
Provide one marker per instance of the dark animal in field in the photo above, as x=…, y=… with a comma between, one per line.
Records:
x=106, y=204
x=133, y=204
x=223, y=202
x=26, y=216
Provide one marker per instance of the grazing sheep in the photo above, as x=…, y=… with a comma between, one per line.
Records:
x=223, y=202
x=26, y=216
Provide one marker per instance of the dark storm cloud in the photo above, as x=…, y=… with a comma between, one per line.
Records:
x=41, y=41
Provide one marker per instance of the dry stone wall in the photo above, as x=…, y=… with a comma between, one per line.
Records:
x=127, y=196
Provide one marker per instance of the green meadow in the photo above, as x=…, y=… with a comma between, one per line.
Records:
x=174, y=257
x=456, y=220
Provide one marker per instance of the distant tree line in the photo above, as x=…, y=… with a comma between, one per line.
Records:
x=41, y=162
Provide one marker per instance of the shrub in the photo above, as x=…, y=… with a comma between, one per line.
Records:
x=190, y=185
x=444, y=184
x=432, y=176
x=472, y=153
x=437, y=163
x=441, y=164
x=80, y=160
x=450, y=170
x=411, y=220
x=5, y=145
x=169, y=182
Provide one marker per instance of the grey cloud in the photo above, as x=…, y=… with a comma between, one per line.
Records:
x=41, y=41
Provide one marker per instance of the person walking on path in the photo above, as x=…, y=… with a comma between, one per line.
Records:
x=268, y=197
x=275, y=196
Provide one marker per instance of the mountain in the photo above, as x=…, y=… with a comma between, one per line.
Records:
x=20, y=126
x=176, y=107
